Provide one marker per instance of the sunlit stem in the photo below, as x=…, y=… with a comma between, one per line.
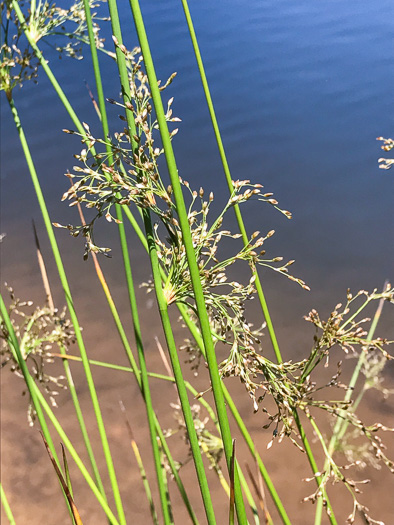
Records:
x=191, y=259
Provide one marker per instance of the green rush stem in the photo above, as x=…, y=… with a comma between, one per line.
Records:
x=342, y=424
x=73, y=315
x=196, y=453
x=6, y=506
x=237, y=210
x=176, y=367
x=249, y=496
x=313, y=465
x=77, y=123
x=29, y=381
x=32, y=8
x=227, y=173
x=191, y=259
x=144, y=385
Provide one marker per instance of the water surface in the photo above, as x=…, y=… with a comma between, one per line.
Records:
x=301, y=89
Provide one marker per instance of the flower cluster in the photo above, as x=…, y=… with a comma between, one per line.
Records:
x=346, y=329
x=362, y=444
x=50, y=20
x=129, y=175
x=16, y=65
x=210, y=444
x=40, y=332
x=18, y=62
x=388, y=144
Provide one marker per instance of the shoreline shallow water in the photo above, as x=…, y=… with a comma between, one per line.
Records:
x=301, y=94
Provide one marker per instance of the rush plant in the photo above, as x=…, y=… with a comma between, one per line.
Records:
x=120, y=176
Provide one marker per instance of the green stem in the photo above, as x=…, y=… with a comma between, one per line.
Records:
x=241, y=225
x=6, y=506
x=74, y=319
x=182, y=393
x=341, y=424
x=227, y=173
x=31, y=386
x=191, y=259
x=129, y=278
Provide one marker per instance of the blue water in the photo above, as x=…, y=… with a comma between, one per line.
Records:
x=301, y=89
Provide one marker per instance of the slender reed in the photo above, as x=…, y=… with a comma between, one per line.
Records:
x=129, y=279
x=242, y=229
x=194, y=272
x=6, y=506
x=73, y=315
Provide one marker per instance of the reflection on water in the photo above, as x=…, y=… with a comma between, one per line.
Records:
x=301, y=90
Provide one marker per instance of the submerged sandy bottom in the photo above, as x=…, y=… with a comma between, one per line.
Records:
x=27, y=474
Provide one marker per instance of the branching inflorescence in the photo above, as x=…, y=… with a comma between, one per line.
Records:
x=133, y=178
x=100, y=186
x=41, y=332
x=18, y=62
x=112, y=171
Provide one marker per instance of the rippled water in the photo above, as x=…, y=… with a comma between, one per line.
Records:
x=301, y=89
